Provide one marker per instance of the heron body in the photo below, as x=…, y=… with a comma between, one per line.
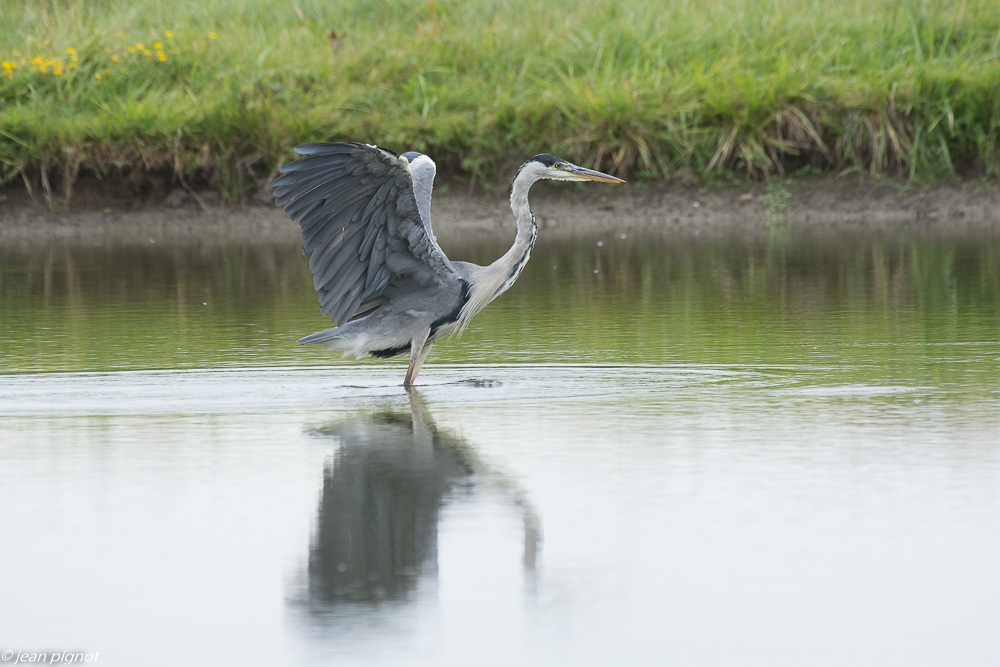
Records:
x=382, y=278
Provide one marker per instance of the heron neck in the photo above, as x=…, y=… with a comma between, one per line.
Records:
x=493, y=280
x=497, y=278
x=513, y=261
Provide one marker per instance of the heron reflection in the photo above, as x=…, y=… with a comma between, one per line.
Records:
x=376, y=535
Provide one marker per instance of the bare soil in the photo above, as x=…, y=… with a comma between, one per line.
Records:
x=100, y=212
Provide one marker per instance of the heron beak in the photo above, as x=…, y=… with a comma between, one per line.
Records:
x=591, y=175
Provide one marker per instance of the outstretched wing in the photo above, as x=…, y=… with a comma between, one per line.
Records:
x=361, y=225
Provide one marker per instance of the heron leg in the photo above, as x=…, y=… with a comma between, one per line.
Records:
x=418, y=352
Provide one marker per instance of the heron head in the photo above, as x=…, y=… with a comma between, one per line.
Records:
x=549, y=166
x=555, y=168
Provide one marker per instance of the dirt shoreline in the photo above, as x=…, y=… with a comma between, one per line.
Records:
x=563, y=211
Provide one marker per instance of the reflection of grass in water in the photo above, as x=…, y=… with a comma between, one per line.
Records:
x=642, y=88
x=776, y=299
x=775, y=201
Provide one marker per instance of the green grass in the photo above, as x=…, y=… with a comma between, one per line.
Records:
x=905, y=88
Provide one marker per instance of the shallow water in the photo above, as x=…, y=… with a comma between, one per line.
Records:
x=774, y=449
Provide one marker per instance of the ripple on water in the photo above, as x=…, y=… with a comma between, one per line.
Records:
x=222, y=391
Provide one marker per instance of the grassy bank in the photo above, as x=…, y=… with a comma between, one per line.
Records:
x=217, y=91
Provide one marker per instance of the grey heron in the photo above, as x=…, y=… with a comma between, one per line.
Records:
x=382, y=278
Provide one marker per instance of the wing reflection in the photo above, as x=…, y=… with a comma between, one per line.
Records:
x=377, y=531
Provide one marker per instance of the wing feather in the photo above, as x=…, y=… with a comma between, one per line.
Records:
x=315, y=199
x=360, y=225
x=345, y=283
x=339, y=261
x=320, y=262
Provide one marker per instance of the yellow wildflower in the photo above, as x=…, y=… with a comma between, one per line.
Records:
x=213, y=35
x=158, y=46
x=71, y=50
x=147, y=53
x=169, y=34
x=115, y=59
x=97, y=77
x=140, y=46
x=162, y=56
x=8, y=68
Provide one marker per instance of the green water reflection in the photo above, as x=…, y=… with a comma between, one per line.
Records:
x=900, y=303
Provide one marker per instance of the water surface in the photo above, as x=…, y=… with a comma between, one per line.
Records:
x=765, y=449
